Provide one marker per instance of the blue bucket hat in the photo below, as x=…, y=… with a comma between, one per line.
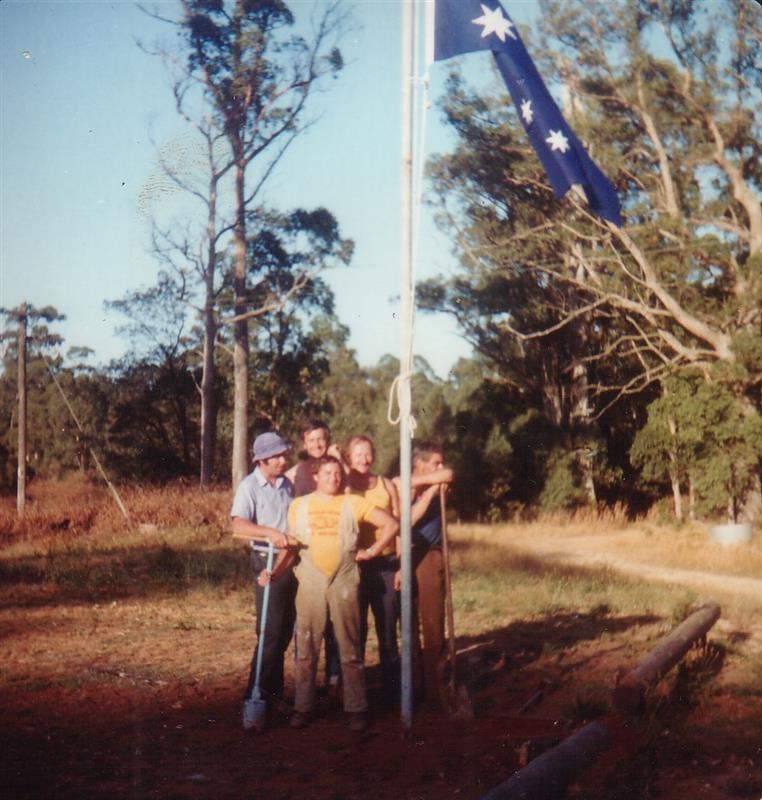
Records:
x=267, y=445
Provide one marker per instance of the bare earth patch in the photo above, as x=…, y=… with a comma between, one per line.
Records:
x=135, y=691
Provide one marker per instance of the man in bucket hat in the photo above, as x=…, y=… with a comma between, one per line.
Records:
x=260, y=515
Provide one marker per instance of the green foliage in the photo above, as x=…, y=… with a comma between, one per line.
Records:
x=562, y=490
x=288, y=355
x=700, y=432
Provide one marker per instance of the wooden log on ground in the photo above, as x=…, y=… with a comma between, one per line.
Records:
x=548, y=775
x=629, y=695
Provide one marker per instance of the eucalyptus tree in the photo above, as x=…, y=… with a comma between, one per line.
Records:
x=698, y=435
x=286, y=254
x=257, y=77
x=574, y=312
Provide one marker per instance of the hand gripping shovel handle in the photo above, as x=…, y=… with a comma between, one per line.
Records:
x=448, y=587
x=256, y=692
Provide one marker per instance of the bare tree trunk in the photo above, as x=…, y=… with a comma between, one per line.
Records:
x=241, y=336
x=674, y=475
x=208, y=405
x=209, y=372
x=691, y=500
x=585, y=462
x=676, y=495
x=21, y=482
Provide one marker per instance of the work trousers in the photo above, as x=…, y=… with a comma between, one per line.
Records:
x=279, y=628
x=377, y=593
x=431, y=600
x=315, y=596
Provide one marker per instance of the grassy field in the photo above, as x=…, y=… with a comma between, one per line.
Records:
x=128, y=645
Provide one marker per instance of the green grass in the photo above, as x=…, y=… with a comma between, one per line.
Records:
x=169, y=560
x=492, y=581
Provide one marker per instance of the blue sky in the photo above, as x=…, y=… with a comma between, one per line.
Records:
x=82, y=111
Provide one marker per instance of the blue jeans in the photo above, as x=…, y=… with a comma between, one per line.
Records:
x=377, y=593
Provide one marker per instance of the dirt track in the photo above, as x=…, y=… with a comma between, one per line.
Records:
x=601, y=550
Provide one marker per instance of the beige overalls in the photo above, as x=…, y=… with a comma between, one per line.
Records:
x=317, y=593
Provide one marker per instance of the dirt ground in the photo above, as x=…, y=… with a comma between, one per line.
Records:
x=134, y=699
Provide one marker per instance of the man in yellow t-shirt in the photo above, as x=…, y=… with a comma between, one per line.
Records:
x=326, y=525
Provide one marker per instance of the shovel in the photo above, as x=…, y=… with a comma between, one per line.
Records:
x=255, y=708
x=458, y=697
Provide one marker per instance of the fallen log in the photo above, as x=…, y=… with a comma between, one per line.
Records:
x=629, y=695
x=548, y=775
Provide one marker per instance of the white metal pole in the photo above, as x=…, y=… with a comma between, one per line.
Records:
x=406, y=306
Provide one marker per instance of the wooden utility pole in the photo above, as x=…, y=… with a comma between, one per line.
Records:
x=21, y=482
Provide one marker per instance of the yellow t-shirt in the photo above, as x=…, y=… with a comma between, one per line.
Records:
x=324, y=515
x=380, y=497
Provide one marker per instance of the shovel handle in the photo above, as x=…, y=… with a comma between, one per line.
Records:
x=448, y=586
x=263, y=622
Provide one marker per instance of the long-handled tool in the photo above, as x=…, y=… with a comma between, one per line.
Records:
x=459, y=699
x=255, y=708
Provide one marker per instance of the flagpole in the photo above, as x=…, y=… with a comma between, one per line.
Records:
x=406, y=307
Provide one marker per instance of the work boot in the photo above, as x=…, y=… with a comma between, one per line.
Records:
x=299, y=719
x=358, y=721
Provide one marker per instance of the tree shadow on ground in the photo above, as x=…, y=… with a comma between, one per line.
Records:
x=524, y=641
x=107, y=574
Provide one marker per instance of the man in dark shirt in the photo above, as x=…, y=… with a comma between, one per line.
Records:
x=429, y=475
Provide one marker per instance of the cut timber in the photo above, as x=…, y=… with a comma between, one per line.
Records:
x=629, y=695
x=548, y=775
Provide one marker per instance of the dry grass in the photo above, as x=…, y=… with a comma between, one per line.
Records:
x=78, y=506
x=681, y=547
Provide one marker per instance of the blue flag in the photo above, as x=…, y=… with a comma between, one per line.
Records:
x=462, y=26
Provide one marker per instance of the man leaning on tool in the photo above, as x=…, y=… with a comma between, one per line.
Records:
x=260, y=515
x=428, y=476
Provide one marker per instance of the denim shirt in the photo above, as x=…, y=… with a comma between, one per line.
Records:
x=258, y=501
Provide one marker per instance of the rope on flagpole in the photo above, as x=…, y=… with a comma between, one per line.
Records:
x=419, y=83
x=395, y=394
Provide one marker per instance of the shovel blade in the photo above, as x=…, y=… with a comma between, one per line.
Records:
x=254, y=714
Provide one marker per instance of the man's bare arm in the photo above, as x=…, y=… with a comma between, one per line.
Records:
x=444, y=475
x=285, y=559
x=246, y=530
x=421, y=504
x=391, y=487
x=387, y=527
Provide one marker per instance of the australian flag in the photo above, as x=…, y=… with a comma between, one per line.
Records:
x=462, y=26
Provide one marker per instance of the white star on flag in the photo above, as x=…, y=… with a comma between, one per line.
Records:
x=558, y=141
x=526, y=111
x=493, y=21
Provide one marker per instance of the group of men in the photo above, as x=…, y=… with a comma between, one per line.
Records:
x=313, y=519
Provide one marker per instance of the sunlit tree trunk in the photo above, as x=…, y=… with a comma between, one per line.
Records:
x=674, y=474
x=209, y=371
x=241, y=338
x=21, y=483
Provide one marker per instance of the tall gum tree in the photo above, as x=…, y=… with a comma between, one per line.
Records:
x=257, y=76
